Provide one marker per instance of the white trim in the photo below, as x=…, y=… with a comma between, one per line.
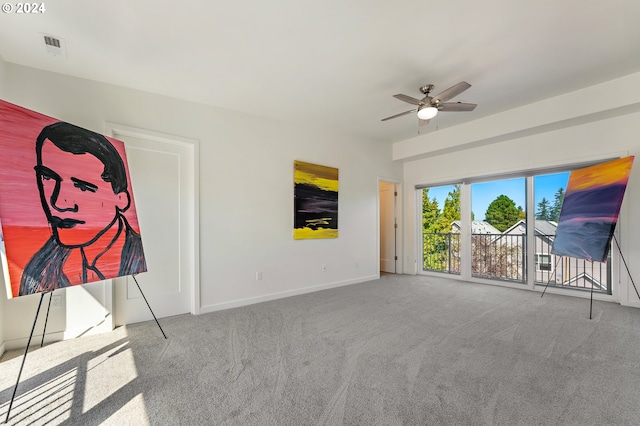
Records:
x=530, y=218
x=397, y=186
x=281, y=295
x=115, y=129
x=466, y=231
x=21, y=342
x=418, y=264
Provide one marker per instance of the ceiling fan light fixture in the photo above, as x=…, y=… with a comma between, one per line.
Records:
x=427, y=113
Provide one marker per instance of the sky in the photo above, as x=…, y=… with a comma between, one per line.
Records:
x=483, y=193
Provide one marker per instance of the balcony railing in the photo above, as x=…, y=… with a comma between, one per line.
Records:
x=570, y=272
x=499, y=256
x=441, y=252
x=503, y=257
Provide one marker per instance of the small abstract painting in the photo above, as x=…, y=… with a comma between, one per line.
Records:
x=315, y=201
x=66, y=205
x=590, y=210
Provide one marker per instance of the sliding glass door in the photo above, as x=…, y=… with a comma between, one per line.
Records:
x=441, y=229
x=499, y=230
x=561, y=271
x=495, y=236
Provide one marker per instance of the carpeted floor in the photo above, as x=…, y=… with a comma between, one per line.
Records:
x=403, y=350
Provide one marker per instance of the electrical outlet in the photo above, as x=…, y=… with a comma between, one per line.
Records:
x=258, y=276
x=56, y=302
x=324, y=268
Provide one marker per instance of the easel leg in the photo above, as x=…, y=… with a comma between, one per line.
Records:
x=591, y=302
x=44, y=330
x=24, y=357
x=149, y=306
x=625, y=265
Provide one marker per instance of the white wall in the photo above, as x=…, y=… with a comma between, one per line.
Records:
x=246, y=191
x=565, y=130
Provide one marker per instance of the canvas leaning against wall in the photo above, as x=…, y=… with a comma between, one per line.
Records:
x=315, y=201
x=67, y=211
x=590, y=210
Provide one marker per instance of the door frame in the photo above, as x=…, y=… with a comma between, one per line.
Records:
x=193, y=145
x=398, y=219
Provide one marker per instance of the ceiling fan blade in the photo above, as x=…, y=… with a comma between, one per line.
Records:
x=399, y=115
x=423, y=122
x=452, y=91
x=457, y=106
x=409, y=99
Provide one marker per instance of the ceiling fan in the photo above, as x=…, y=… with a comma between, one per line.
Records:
x=429, y=106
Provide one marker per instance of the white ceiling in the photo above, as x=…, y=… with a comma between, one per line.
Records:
x=336, y=63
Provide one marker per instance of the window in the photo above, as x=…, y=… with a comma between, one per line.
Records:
x=543, y=262
x=562, y=271
x=499, y=230
x=441, y=229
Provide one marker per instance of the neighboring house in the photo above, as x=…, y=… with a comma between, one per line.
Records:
x=545, y=231
x=477, y=227
x=563, y=270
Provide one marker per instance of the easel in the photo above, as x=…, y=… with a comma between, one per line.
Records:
x=591, y=301
x=26, y=350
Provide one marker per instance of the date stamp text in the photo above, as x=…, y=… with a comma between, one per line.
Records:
x=23, y=8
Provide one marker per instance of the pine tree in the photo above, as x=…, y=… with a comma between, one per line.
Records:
x=451, y=209
x=557, y=205
x=430, y=230
x=544, y=211
x=430, y=213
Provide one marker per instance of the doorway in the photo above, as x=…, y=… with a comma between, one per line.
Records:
x=388, y=227
x=164, y=181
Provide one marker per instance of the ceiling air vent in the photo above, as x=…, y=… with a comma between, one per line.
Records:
x=54, y=45
x=52, y=41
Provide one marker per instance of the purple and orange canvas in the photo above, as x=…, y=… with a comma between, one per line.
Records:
x=590, y=210
x=66, y=204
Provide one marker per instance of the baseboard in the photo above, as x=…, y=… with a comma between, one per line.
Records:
x=631, y=304
x=281, y=295
x=21, y=343
x=3, y=348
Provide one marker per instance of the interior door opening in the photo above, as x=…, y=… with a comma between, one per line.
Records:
x=388, y=228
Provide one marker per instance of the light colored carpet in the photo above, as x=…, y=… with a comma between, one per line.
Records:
x=402, y=350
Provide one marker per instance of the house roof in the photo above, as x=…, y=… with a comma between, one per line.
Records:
x=477, y=227
x=544, y=227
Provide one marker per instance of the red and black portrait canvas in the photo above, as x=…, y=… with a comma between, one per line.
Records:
x=66, y=204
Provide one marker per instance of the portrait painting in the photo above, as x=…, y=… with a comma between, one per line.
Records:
x=590, y=210
x=67, y=210
x=315, y=201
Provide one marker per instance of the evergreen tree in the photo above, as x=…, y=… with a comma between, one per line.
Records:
x=521, y=213
x=544, y=211
x=557, y=205
x=502, y=213
x=451, y=209
x=430, y=213
x=436, y=225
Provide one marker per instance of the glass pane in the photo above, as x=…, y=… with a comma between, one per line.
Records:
x=498, y=229
x=441, y=229
x=561, y=271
